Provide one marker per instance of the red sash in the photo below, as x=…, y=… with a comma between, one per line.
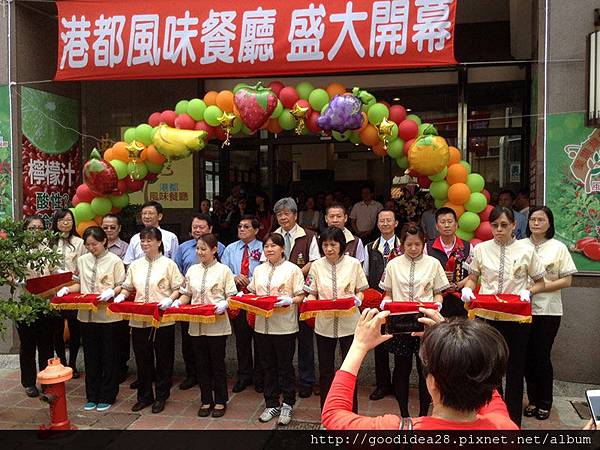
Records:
x=84, y=302
x=144, y=312
x=192, y=314
x=503, y=307
x=262, y=305
x=408, y=307
x=49, y=285
x=371, y=299
x=341, y=307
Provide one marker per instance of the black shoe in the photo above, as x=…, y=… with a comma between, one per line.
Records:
x=140, y=405
x=530, y=411
x=305, y=391
x=134, y=385
x=379, y=393
x=75, y=374
x=240, y=386
x=219, y=412
x=205, y=412
x=542, y=414
x=158, y=406
x=259, y=388
x=188, y=383
x=32, y=391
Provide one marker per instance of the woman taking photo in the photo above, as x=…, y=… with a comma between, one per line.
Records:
x=334, y=276
x=276, y=335
x=411, y=277
x=546, y=308
x=505, y=265
x=36, y=335
x=210, y=282
x=70, y=247
x=100, y=272
x=155, y=279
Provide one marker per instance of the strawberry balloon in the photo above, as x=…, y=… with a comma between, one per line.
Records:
x=255, y=104
x=99, y=175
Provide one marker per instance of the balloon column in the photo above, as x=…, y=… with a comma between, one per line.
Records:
x=356, y=116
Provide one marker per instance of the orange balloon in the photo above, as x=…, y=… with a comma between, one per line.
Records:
x=273, y=126
x=369, y=136
x=365, y=122
x=210, y=98
x=459, y=193
x=456, y=174
x=455, y=155
x=458, y=209
x=379, y=150
x=224, y=101
x=119, y=151
x=84, y=226
x=153, y=156
x=143, y=155
x=108, y=154
x=98, y=220
x=335, y=89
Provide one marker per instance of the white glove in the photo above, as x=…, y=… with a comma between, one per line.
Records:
x=383, y=303
x=525, y=296
x=284, y=300
x=63, y=291
x=176, y=303
x=439, y=305
x=119, y=298
x=239, y=294
x=357, y=301
x=165, y=303
x=466, y=295
x=106, y=295
x=221, y=307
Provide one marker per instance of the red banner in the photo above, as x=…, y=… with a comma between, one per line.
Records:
x=130, y=39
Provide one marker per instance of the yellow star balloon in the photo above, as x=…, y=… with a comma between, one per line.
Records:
x=134, y=149
x=226, y=121
x=384, y=130
x=299, y=113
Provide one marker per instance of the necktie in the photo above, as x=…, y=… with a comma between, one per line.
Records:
x=288, y=245
x=386, y=249
x=245, y=268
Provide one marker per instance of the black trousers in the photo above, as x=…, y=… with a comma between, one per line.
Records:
x=249, y=367
x=123, y=345
x=277, y=354
x=539, y=373
x=154, y=350
x=74, y=338
x=306, y=354
x=36, y=336
x=383, y=379
x=401, y=378
x=517, y=337
x=209, y=353
x=326, y=350
x=187, y=351
x=101, y=356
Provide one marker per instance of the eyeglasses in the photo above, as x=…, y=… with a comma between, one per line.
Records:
x=244, y=226
x=109, y=227
x=35, y=228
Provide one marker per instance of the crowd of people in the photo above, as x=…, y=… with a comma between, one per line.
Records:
x=324, y=249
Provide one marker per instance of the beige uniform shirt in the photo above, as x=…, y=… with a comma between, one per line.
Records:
x=70, y=250
x=96, y=275
x=329, y=281
x=284, y=278
x=207, y=285
x=414, y=279
x=153, y=280
x=505, y=269
x=558, y=264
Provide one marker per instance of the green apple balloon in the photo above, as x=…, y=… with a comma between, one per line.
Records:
x=101, y=206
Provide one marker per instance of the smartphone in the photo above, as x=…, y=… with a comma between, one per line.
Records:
x=403, y=323
x=593, y=399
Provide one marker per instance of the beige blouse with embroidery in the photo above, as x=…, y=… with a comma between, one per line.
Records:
x=96, y=275
x=558, y=264
x=330, y=281
x=209, y=285
x=70, y=250
x=505, y=269
x=153, y=280
x=284, y=278
x=414, y=279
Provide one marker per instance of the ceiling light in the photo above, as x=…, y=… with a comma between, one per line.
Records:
x=408, y=110
x=396, y=99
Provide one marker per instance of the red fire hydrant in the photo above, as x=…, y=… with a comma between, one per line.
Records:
x=52, y=379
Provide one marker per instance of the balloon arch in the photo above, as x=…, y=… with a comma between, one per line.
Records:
x=356, y=116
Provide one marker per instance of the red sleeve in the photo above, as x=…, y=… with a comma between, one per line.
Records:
x=497, y=412
x=337, y=411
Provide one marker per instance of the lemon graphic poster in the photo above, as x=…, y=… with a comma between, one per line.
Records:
x=6, y=208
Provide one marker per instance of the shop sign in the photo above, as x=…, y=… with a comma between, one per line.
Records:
x=130, y=39
x=572, y=177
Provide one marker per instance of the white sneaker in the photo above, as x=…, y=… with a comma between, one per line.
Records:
x=285, y=416
x=269, y=413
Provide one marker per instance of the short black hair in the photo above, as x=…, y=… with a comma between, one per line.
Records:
x=29, y=219
x=253, y=220
x=499, y=210
x=97, y=233
x=336, y=205
x=333, y=234
x=154, y=233
x=156, y=205
x=467, y=359
x=412, y=229
x=210, y=240
x=276, y=238
x=509, y=192
x=202, y=216
x=548, y=212
x=388, y=211
x=443, y=211
x=112, y=216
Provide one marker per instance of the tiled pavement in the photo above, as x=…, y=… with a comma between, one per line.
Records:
x=17, y=411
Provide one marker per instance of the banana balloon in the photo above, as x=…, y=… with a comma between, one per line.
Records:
x=177, y=144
